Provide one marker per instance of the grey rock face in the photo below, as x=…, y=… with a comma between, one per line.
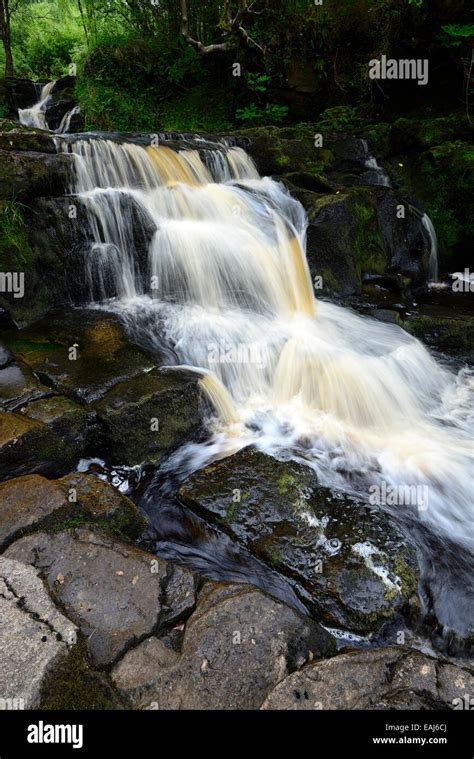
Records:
x=237, y=645
x=34, y=635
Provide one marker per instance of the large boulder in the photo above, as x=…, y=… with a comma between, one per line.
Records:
x=81, y=353
x=117, y=594
x=380, y=678
x=237, y=645
x=158, y=409
x=363, y=231
x=347, y=562
x=28, y=174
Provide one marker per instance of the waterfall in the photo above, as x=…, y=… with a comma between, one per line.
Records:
x=433, y=260
x=66, y=120
x=35, y=116
x=226, y=284
x=377, y=173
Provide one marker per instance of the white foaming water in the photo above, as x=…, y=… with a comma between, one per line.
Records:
x=35, y=116
x=433, y=260
x=228, y=286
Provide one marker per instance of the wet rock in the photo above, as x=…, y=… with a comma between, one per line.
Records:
x=14, y=137
x=104, y=356
x=18, y=386
x=347, y=562
x=22, y=93
x=358, y=232
x=442, y=178
x=46, y=436
x=452, y=334
x=237, y=645
x=34, y=634
x=112, y=590
x=384, y=678
x=158, y=409
x=34, y=502
x=27, y=174
x=26, y=502
x=55, y=112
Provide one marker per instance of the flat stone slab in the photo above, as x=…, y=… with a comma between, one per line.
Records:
x=33, y=501
x=34, y=635
x=104, y=355
x=115, y=592
x=237, y=645
x=382, y=678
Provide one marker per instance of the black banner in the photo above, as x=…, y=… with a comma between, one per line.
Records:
x=375, y=733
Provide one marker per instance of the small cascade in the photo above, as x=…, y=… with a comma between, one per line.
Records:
x=376, y=174
x=225, y=283
x=36, y=116
x=66, y=120
x=433, y=240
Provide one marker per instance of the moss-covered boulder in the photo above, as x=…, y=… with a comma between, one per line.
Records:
x=443, y=179
x=28, y=174
x=361, y=231
x=149, y=415
x=415, y=134
x=348, y=563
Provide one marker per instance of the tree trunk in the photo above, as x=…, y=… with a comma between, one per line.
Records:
x=5, y=34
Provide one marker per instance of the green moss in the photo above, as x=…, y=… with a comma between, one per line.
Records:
x=74, y=685
x=368, y=246
x=408, y=575
x=286, y=482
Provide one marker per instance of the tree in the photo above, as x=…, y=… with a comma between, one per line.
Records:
x=6, y=11
x=230, y=27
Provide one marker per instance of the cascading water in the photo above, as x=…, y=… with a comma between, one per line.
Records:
x=433, y=260
x=227, y=284
x=35, y=116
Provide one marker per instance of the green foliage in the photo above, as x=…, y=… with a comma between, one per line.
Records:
x=269, y=114
x=457, y=33
x=15, y=251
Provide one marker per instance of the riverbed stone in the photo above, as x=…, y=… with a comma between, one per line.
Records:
x=45, y=436
x=158, y=410
x=81, y=353
x=33, y=502
x=237, y=644
x=34, y=634
x=382, y=678
x=349, y=564
x=112, y=590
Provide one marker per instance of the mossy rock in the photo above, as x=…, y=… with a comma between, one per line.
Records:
x=443, y=178
x=159, y=411
x=347, y=561
x=410, y=134
x=73, y=684
x=282, y=151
